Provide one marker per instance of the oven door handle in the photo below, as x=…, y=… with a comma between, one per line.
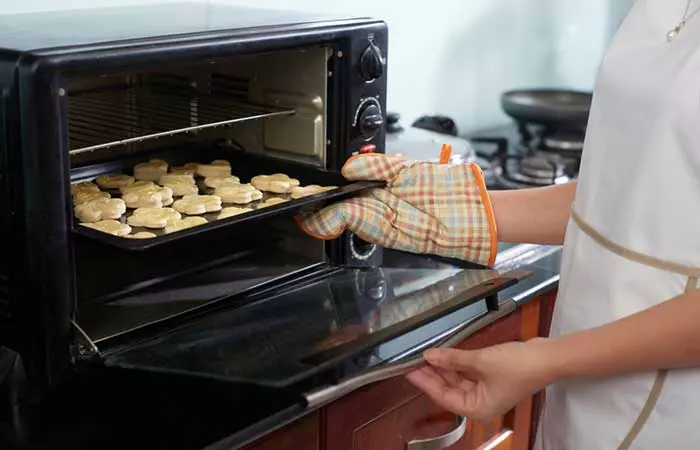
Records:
x=328, y=394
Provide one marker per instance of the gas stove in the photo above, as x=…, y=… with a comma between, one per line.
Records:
x=520, y=156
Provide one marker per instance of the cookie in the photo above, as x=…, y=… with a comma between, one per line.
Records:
x=182, y=189
x=189, y=168
x=148, y=197
x=180, y=183
x=239, y=194
x=271, y=202
x=113, y=227
x=231, y=211
x=151, y=170
x=218, y=168
x=114, y=181
x=170, y=178
x=100, y=209
x=194, y=205
x=152, y=217
x=141, y=235
x=183, y=224
x=215, y=182
x=84, y=197
x=84, y=186
x=277, y=183
x=305, y=191
x=137, y=186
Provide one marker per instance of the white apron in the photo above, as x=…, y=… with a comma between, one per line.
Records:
x=634, y=240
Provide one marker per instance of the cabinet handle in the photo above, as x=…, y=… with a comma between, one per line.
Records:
x=441, y=442
x=496, y=441
x=327, y=394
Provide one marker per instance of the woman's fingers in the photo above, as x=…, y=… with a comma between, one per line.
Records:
x=439, y=390
x=454, y=379
x=463, y=361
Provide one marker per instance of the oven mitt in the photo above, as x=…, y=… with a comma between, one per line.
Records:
x=426, y=207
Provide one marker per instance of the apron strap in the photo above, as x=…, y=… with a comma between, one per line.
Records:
x=693, y=274
x=641, y=258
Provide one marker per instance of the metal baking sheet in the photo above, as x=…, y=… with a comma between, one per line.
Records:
x=245, y=167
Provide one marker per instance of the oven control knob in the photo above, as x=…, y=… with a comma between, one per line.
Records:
x=372, y=63
x=370, y=120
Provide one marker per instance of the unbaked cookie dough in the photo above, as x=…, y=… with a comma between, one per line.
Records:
x=137, y=185
x=216, y=182
x=100, y=209
x=113, y=227
x=83, y=197
x=239, y=194
x=189, y=168
x=183, y=224
x=148, y=197
x=218, y=168
x=181, y=184
x=141, y=235
x=194, y=205
x=151, y=170
x=231, y=211
x=299, y=192
x=152, y=217
x=84, y=186
x=114, y=181
x=277, y=183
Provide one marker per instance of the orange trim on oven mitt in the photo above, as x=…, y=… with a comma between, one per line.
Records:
x=426, y=208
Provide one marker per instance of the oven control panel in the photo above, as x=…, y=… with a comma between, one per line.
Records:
x=369, y=120
x=372, y=62
x=361, y=90
x=368, y=78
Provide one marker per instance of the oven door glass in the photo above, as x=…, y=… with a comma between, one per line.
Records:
x=285, y=337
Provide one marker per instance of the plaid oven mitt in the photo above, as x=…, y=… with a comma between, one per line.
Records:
x=426, y=207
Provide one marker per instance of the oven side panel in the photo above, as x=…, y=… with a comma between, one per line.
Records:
x=352, y=98
x=7, y=97
x=41, y=260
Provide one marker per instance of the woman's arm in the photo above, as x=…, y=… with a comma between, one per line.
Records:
x=533, y=216
x=482, y=384
x=666, y=336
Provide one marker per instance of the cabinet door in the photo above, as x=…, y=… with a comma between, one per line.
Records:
x=384, y=416
x=504, y=440
x=301, y=435
x=388, y=415
x=481, y=434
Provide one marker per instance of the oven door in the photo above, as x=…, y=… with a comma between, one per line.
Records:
x=331, y=328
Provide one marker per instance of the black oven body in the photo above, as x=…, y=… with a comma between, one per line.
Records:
x=37, y=261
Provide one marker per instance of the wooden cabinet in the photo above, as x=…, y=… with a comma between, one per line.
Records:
x=302, y=435
x=390, y=414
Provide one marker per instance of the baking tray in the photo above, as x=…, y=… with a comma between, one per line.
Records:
x=243, y=165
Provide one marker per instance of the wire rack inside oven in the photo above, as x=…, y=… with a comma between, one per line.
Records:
x=108, y=118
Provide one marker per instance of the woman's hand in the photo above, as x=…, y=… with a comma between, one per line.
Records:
x=486, y=383
x=439, y=209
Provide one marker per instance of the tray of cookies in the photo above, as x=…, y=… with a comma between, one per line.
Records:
x=161, y=199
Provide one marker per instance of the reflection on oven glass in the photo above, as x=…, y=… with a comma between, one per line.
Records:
x=281, y=338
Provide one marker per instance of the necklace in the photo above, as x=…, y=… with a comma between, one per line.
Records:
x=675, y=31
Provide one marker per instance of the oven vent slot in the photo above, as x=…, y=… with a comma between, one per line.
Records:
x=116, y=117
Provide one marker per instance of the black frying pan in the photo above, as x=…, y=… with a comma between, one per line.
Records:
x=548, y=107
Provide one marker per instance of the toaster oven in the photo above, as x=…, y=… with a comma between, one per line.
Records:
x=90, y=93
x=246, y=299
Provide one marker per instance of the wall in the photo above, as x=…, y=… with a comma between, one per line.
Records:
x=455, y=57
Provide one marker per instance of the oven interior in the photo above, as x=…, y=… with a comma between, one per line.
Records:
x=264, y=113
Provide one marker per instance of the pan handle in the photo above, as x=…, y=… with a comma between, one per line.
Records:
x=328, y=394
